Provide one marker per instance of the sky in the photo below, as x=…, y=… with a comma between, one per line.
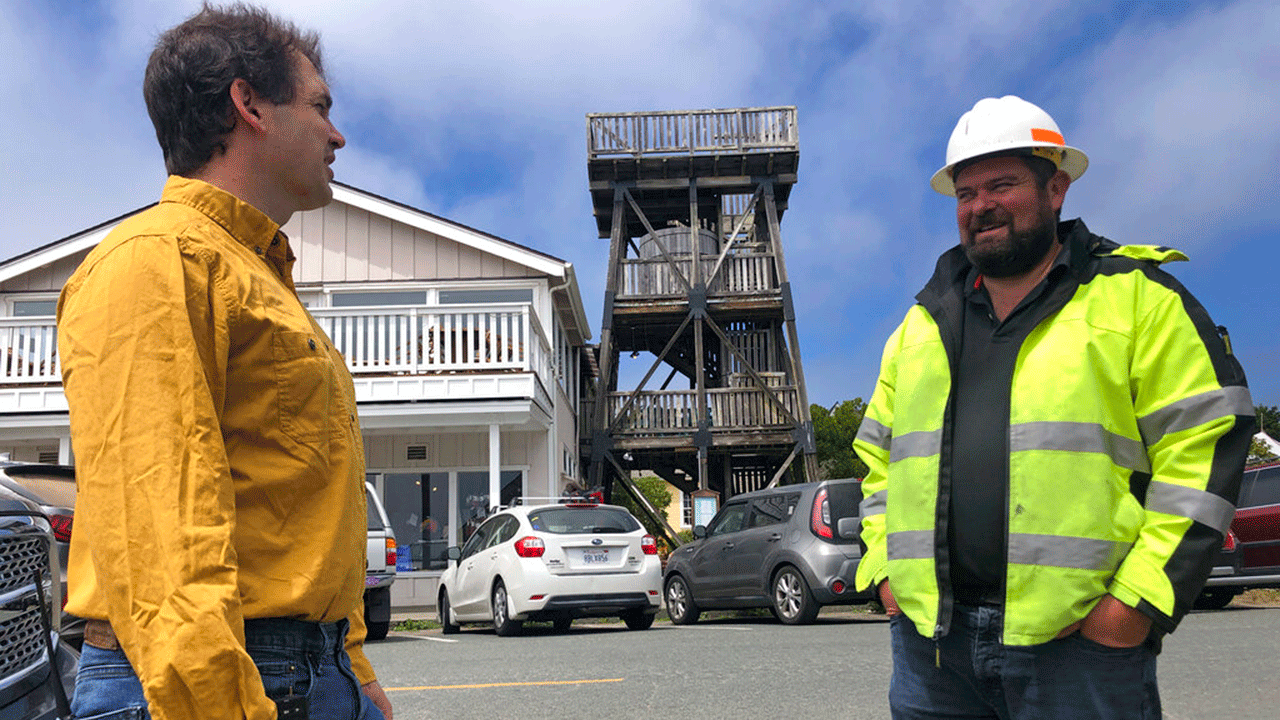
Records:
x=475, y=111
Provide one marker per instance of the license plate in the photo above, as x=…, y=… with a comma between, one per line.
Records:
x=595, y=557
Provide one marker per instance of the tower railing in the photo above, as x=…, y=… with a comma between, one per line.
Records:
x=692, y=132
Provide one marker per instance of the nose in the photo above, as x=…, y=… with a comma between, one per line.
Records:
x=335, y=138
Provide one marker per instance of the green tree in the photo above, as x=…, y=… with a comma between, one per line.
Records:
x=656, y=491
x=833, y=433
x=1269, y=420
x=1259, y=452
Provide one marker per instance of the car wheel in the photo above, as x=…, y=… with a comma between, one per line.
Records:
x=376, y=630
x=638, y=620
x=447, y=626
x=791, y=598
x=680, y=605
x=503, y=625
x=561, y=623
x=1215, y=598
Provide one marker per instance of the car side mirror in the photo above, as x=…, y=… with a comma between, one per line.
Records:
x=699, y=531
x=849, y=527
x=454, y=553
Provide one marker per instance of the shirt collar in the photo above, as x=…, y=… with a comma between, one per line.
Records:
x=244, y=222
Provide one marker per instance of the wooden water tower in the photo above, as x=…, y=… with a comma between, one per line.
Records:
x=697, y=301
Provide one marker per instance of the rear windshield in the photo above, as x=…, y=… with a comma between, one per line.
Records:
x=843, y=499
x=569, y=520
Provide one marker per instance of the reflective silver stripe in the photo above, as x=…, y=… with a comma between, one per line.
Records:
x=1067, y=552
x=873, y=505
x=873, y=433
x=910, y=545
x=1203, y=507
x=915, y=444
x=1196, y=410
x=1080, y=437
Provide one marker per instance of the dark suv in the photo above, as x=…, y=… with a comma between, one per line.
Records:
x=36, y=668
x=1256, y=531
x=792, y=549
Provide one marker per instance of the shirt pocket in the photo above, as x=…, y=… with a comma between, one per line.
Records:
x=305, y=385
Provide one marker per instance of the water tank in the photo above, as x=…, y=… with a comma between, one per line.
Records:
x=676, y=240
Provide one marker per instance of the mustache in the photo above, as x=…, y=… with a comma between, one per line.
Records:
x=988, y=217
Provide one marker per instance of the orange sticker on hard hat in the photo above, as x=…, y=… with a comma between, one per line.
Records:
x=1045, y=135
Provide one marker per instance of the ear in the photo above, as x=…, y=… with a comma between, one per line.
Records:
x=1057, y=188
x=246, y=103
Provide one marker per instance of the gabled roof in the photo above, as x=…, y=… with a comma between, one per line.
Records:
x=457, y=232
x=367, y=201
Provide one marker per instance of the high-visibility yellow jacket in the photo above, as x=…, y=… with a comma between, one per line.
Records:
x=1129, y=424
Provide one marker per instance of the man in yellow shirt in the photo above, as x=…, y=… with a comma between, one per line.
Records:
x=220, y=530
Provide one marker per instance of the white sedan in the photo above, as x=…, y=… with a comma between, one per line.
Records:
x=552, y=562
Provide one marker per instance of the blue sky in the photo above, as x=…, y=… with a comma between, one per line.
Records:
x=475, y=111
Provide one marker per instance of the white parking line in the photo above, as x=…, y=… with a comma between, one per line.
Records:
x=711, y=627
x=428, y=637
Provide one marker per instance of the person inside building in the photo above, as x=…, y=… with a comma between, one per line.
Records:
x=1055, y=445
x=219, y=552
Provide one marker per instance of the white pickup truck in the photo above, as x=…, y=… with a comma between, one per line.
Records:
x=380, y=569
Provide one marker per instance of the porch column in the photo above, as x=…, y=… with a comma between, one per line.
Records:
x=495, y=472
x=64, y=451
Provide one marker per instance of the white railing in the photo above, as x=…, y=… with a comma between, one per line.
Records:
x=412, y=340
x=29, y=351
x=692, y=131
x=675, y=411
x=438, y=338
x=742, y=273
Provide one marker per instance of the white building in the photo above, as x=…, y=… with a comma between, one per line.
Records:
x=467, y=352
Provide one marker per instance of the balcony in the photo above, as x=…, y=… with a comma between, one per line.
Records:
x=743, y=274
x=729, y=410
x=440, y=352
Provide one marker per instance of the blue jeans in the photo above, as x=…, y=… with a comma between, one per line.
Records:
x=305, y=658
x=1068, y=679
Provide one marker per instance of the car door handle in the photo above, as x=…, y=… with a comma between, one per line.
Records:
x=775, y=537
x=728, y=546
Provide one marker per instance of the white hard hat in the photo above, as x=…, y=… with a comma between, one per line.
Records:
x=1008, y=123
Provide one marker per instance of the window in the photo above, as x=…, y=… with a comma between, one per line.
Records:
x=731, y=519
x=473, y=496
x=686, y=510
x=774, y=509
x=1264, y=488
x=480, y=538
x=484, y=297
x=417, y=505
x=571, y=520
x=35, y=308
x=388, y=297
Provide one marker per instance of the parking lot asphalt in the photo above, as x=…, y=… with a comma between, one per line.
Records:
x=1218, y=664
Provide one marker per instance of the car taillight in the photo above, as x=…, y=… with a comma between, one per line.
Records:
x=530, y=547
x=1229, y=542
x=61, y=527
x=649, y=545
x=821, y=515
x=391, y=553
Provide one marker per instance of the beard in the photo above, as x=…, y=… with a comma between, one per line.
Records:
x=1019, y=251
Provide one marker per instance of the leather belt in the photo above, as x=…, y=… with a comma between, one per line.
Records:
x=99, y=634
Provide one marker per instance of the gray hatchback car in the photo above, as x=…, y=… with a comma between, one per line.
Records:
x=792, y=549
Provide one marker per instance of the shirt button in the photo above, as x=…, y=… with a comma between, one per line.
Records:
x=312, y=343
x=275, y=242
x=257, y=249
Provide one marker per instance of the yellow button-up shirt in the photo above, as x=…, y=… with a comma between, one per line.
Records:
x=219, y=461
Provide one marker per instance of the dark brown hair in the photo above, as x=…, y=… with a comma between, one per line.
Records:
x=189, y=75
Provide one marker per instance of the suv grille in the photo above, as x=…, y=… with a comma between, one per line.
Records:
x=22, y=642
x=22, y=559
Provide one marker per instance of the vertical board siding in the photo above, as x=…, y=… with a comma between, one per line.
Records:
x=358, y=248
x=380, y=267
x=334, y=222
